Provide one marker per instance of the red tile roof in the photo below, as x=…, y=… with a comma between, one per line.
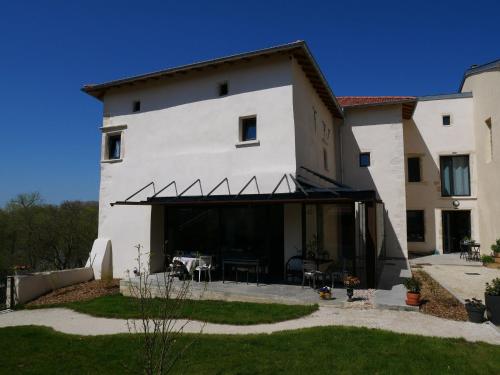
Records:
x=352, y=101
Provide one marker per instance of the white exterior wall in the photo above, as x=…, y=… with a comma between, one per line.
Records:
x=485, y=88
x=185, y=131
x=311, y=138
x=427, y=138
x=379, y=130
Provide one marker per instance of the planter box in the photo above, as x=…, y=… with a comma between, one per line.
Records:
x=493, y=308
x=475, y=314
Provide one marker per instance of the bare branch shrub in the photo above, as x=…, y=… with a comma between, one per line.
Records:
x=160, y=300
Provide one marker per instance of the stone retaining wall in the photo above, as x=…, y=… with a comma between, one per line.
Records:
x=25, y=288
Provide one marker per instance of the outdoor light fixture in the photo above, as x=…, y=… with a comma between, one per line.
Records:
x=456, y=203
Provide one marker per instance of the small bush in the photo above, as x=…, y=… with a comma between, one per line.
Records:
x=412, y=285
x=475, y=303
x=493, y=289
x=496, y=247
x=487, y=259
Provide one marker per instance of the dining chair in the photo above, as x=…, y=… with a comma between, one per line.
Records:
x=204, y=265
x=310, y=272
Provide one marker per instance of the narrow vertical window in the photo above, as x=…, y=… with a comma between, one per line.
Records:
x=114, y=146
x=136, y=106
x=414, y=169
x=446, y=120
x=223, y=89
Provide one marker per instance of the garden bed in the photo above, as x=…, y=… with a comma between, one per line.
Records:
x=78, y=292
x=438, y=301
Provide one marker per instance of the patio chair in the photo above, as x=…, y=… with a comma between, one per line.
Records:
x=204, y=265
x=293, y=268
x=177, y=269
x=310, y=272
x=464, y=250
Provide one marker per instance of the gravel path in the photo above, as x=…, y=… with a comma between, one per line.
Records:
x=71, y=322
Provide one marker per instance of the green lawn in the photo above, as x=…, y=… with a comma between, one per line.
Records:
x=331, y=350
x=242, y=313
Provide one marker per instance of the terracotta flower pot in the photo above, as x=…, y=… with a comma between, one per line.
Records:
x=412, y=299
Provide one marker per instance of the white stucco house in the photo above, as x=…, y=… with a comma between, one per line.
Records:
x=253, y=156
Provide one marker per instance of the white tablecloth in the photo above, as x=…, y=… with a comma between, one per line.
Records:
x=189, y=262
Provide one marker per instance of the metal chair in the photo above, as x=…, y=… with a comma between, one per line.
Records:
x=204, y=265
x=465, y=250
x=310, y=272
x=293, y=268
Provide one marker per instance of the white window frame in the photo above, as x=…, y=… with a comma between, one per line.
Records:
x=110, y=131
x=451, y=119
x=252, y=142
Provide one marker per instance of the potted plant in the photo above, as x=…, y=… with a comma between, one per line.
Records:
x=350, y=282
x=496, y=251
x=412, y=286
x=492, y=300
x=475, y=310
x=487, y=259
x=325, y=293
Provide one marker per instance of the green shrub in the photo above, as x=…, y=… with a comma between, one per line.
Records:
x=487, y=259
x=493, y=289
x=412, y=285
x=496, y=247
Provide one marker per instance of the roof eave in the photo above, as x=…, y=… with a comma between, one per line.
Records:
x=410, y=105
x=98, y=90
x=492, y=65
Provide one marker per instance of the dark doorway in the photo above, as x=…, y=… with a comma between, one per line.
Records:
x=456, y=226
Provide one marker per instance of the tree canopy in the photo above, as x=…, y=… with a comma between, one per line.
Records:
x=46, y=236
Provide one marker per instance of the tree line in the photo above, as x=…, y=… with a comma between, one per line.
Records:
x=40, y=237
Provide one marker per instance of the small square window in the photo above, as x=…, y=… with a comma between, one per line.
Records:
x=364, y=159
x=114, y=146
x=446, y=120
x=249, y=129
x=414, y=169
x=136, y=107
x=325, y=159
x=223, y=89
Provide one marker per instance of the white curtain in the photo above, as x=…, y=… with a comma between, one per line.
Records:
x=461, y=175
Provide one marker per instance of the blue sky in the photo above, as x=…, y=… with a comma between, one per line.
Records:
x=49, y=138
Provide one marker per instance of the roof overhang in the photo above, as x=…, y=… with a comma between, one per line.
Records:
x=305, y=191
x=493, y=65
x=298, y=50
x=254, y=199
x=407, y=106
